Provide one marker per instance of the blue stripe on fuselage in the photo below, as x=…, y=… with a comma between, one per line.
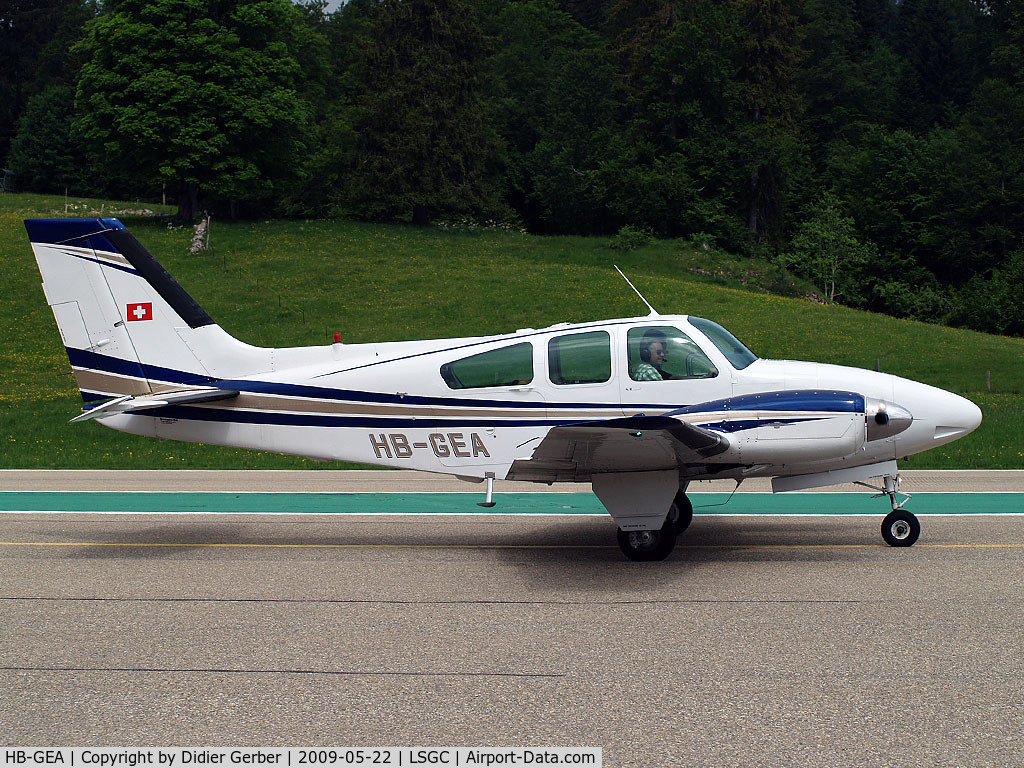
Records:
x=83, y=358
x=237, y=416
x=830, y=401
x=833, y=401
x=745, y=424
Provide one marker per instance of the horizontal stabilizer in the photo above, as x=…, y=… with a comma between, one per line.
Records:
x=129, y=404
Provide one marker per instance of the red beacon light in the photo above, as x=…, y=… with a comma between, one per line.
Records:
x=337, y=338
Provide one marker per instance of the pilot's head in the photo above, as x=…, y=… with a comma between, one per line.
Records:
x=653, y=347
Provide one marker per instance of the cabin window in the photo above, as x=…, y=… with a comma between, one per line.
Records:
x=661, y=352
x=735, y=351
x=580, y=358
x=502, y=367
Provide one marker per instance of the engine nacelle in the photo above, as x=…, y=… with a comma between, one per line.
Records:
x=885, y=419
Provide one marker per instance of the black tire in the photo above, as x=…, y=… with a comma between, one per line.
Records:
x=648, y=546
x=681, y=512
x=900, y=529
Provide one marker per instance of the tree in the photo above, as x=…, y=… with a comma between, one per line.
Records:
x=549, y=90
x=35, y=36
x=771, y=54
x=199, y=95
x=424, y=143
x=826, y=248
x=674, y=164
x=944, y=44
x=43, y=155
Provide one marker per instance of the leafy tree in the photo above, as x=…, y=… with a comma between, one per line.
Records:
x=637, y=28
x=879, y=178
x=589, y=13
x=202, y=96
x=995, y=302
x=424, y=145
x=825, y=248
x=675, y=165
x=849, y=78
x=308, y=190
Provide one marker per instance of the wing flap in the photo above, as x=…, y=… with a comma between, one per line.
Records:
x=641, y=443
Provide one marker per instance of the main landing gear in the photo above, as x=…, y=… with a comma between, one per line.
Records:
x=899, y=528
x=647, y=546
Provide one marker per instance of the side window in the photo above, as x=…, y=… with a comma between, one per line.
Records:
x=580, y=358
x=496, y=368
x=660, y=352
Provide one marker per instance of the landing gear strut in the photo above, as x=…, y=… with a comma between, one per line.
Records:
x=648, y=546
x=899, y=528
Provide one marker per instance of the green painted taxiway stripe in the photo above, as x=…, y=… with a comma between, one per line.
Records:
x=507, y=503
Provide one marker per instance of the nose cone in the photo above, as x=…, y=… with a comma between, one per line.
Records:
x=939, y=416
x=955, y=417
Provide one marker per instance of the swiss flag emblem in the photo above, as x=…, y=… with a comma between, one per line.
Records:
x=141, y=311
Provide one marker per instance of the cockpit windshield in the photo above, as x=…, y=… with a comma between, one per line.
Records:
x=734, y=349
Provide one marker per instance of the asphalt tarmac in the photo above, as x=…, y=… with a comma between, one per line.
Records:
x=761, y=641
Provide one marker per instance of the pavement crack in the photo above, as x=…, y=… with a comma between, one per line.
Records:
x=371, y=601
x=334, y=672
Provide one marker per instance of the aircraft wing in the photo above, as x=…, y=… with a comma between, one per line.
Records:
x=129, y=404
x=640, y=443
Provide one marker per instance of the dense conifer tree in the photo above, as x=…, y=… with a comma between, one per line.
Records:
x=771, y=54
x=35, y=38
x=424, y=143
x=43, y=153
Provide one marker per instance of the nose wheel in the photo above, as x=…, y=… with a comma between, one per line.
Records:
x=900, y=528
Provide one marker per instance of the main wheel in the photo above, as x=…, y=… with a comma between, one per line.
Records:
x=900, y=529
x=681, y=512
x=646, y=546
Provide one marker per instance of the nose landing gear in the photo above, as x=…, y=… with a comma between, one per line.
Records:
x=899, y=528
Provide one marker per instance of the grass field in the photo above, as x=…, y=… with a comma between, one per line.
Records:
x=280, y=283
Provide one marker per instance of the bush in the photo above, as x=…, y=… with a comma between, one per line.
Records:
x=629, y=239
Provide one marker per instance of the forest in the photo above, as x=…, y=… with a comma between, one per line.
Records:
x=874, y=147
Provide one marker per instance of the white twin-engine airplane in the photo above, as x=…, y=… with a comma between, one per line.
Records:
x=638, y=407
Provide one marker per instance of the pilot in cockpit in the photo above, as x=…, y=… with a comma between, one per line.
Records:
x=653, y=349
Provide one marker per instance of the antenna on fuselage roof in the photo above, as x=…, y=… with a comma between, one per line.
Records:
x=654, y=312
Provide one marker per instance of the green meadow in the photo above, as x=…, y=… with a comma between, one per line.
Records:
x=281, y=283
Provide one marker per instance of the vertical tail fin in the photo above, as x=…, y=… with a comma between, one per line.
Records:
x=129, y=328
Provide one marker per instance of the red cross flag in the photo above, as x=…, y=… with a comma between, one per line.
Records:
x=140, y=311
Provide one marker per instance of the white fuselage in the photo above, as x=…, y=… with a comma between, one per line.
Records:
x=389, y=404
